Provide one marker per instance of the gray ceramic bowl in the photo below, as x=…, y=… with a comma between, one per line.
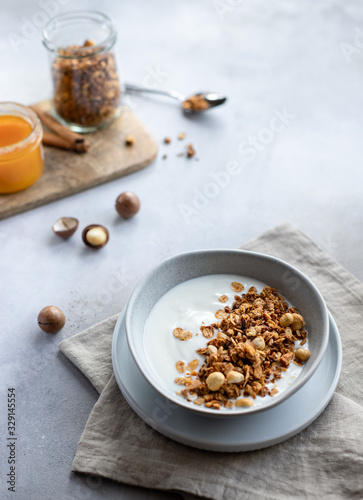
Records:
x=290, y=282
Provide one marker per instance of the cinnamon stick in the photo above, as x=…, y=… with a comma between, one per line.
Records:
x=74, y=141
x=50, y=139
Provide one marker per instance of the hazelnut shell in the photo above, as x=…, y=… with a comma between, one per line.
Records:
x=51, y=319
x=91, y=226
x=127, y=204
x=65, y=227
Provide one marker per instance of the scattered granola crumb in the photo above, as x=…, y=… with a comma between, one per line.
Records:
x=237, y=287
x=130, y=140
x=181, y=154
x=221, y=314
x=223, y=298
x=165, y=157
x=167, y=140
x=198, y=401
x=181, y=136
x=213, y=404
x=207, y=331
x=192, y=365
x=297, y=363
x=181, y=334
x=190, y=151
x=180, y=366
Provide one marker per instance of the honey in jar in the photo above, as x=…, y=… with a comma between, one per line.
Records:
x=21, y=152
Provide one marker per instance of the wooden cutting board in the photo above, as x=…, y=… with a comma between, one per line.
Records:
x=67, y=172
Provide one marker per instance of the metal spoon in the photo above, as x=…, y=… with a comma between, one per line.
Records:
x=193, y=104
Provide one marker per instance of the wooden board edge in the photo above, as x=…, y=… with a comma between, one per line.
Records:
x=27, y=207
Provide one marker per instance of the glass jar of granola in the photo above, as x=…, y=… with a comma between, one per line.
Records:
x=86, y=89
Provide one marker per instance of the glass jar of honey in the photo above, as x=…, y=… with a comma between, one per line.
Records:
x=21, y=151
x=86, y=89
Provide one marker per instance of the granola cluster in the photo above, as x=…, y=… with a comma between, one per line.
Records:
x=195, y=103
x=86, y=86
x=254, y=345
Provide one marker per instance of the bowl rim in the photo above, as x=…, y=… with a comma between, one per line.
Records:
x=300, y=381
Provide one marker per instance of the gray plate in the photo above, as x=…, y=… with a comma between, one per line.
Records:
x=243, y=432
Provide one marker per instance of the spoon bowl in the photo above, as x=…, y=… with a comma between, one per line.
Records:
x=202, y=101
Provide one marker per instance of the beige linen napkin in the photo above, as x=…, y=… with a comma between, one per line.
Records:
x=323, y=461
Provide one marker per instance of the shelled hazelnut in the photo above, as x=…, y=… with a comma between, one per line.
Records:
x=95, y=236
x=298, y=322
x=302, y=354
x=127, y=204
x=215, y=381
x=51, y=319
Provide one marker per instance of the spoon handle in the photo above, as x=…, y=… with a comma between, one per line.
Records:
x=130, y=87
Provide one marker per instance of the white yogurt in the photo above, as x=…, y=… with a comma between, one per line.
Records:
x=188, y=306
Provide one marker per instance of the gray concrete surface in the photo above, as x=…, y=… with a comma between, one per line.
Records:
x=298, y=59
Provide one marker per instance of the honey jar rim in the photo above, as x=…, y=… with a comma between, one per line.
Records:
x=10, y=108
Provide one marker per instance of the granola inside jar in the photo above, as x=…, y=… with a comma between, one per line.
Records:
x=86, y=88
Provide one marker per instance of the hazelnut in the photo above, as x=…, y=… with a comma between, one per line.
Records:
x=51, y=319
x=130, y=140
x=286, y=319
x=215, y=381
x=244, y=402
x=258, y=343
x=127, y=204
x=298, y=322
x=95, y=236
x=89, y=43
x=235, y=377
x=65, y=227
x=302, y=354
